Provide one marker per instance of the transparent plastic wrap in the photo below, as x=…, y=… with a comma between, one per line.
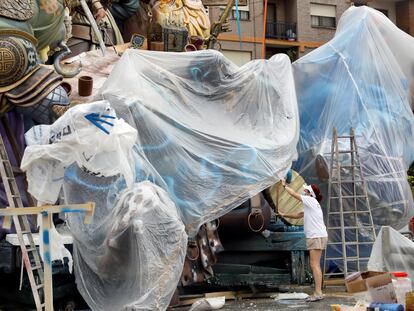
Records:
x=392, y=252
x=90, y=135
x=210, y=136
x=213, y=134
x=360, y=79
x=131, y=256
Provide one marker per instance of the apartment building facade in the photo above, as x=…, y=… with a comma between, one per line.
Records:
x=296, y=27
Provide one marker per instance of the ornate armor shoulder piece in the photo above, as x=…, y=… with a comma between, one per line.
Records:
x=20, y=10
x=17, y=58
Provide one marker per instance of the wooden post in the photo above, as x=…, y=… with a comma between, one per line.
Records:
x=47, y=261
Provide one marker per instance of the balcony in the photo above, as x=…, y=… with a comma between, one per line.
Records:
x=281, y=30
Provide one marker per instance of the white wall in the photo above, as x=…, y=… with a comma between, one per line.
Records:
x=385, y=5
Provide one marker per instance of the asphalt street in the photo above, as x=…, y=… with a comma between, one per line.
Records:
x=270, y=304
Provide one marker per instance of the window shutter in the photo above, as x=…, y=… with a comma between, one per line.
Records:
x=323, y=10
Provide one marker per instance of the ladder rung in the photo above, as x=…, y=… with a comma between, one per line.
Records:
x=334, y=273
x=349, y=197
x=31, y=249
x=347, y=181
x=353, y=258
x=349, y=212
x=39, y=286
x=25, y=232
x=345, y=136
x=347, y=151
x=16, y=170
x=350, y=227
x=342, y=258
x=350, y=243
x=348, y=166
x=37, y=267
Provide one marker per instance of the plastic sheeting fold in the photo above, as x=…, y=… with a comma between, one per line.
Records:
x=392, y=252
x=360, y=79
x=213, y=134
x=210, y=135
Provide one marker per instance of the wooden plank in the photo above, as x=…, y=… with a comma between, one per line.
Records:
x=229, y=295
x=7, y=222
x=47, y=261
x=188, y=302
x=191, y=296
x=284, y=202
x=334, y=282
x=87, y=208
x=89, y=213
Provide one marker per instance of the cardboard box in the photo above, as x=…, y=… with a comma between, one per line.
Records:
x=356, y=282
x=381, y=289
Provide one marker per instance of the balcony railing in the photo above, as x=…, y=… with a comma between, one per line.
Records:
x=281, y=30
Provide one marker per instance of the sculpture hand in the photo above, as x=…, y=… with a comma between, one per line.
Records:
x=100, y=14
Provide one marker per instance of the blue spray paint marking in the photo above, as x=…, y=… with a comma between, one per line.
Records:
x=68, y=210
x=197, y=74
x=71, y=175
x=238, y=23
x=206, y=171
x=96, y=119
x=46, y=236
x=157, y=147
x=47, y=258
x=212, y=172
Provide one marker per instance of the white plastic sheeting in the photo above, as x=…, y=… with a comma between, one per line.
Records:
x=132, y=254
x=210, y=136
x=359, y=79
x=89, y=135
x=392, y=252
x=58, y=251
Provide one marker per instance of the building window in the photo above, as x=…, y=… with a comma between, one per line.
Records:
x=323, y=21
x=323, y=15
x=244, y=13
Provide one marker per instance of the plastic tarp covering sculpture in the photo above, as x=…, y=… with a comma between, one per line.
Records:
x=392, y=252
x=213, y=134
x=359, y=79
x=209, y=135
x=131, y=255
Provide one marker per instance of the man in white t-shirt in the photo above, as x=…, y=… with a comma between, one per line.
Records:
x=315, y=231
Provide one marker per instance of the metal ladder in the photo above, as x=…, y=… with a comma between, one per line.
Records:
x=30, y=254
x=354, y=231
